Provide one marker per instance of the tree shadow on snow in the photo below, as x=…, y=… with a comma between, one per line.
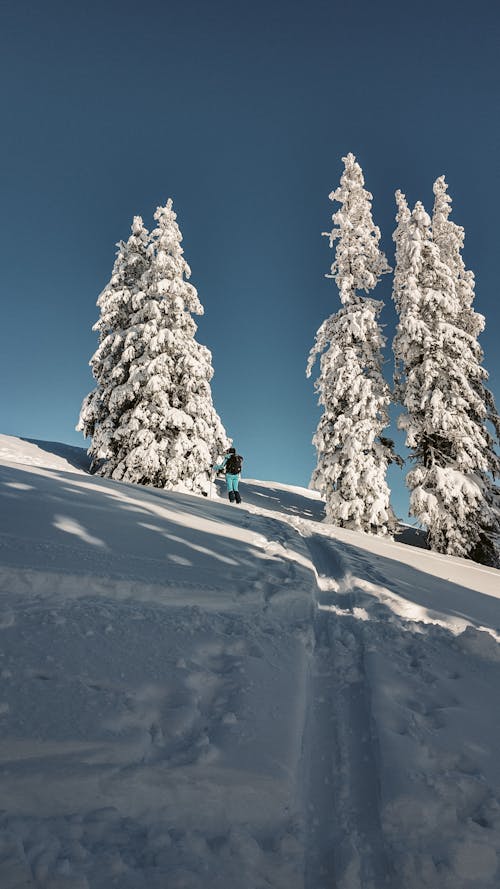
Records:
x=411, y=536
x=59, y=522
x=75, y=456
x=277, y=499
x=436, y=598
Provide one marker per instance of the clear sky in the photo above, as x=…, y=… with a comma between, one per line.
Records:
x=241, y=113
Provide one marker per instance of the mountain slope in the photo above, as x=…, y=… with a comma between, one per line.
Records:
x=195, y=695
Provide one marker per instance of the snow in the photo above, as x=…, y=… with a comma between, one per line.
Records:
x=196, y=695
x=352, y=455
x=441, y=385
x=151, y=417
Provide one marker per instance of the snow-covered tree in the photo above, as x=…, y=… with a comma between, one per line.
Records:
x=440, y=382
x=352, y=454
x=111, y=362
x=165, y=430
x=400, y=237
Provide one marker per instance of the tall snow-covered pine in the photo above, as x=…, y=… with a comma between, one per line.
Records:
x=111, y=362
x=440, y=384
x=167, y=432
x=352, y=454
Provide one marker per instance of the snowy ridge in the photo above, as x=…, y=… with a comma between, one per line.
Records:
x=195, y=695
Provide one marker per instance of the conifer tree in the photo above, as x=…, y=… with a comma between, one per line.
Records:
x=449, y=238
x=111, y=362
x=352, y=454
x=400, y=238
x=166, y=431
x=440, y=383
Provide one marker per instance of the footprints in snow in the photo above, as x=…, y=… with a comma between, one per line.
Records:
x=104, y=848
x=275, y=545
x=406, y=675
x=179, y=723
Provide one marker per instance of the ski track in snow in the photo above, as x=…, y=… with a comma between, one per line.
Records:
x=416, y=799
x=352, y=850
x=194, y=695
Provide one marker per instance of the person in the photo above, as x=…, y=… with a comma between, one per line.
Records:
x=231, y=465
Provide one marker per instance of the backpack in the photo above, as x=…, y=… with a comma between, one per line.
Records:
x=233, y=465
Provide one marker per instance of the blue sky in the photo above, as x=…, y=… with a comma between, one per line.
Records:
x=241, y=113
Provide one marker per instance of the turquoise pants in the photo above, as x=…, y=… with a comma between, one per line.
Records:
x=232, y=482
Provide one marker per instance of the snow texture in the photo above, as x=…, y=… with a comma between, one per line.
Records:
x=352, y=454
x=151, y=416
x=440, y=382
x=194, y=695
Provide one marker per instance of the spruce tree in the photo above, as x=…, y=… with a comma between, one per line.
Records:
x=400, y=238
x=166, y=431
x=111, y=362
x=439, y=382
x=449, y=238
x=352, y=454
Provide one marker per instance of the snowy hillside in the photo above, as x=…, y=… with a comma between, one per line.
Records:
x=195, y=695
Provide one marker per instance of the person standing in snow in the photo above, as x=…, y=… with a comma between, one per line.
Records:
x=231, y=465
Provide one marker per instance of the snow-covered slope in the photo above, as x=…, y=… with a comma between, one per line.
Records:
x=196, y=695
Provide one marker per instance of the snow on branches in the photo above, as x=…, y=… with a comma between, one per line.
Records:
x=440, y=382
x=151, y=416
x=352, y=454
